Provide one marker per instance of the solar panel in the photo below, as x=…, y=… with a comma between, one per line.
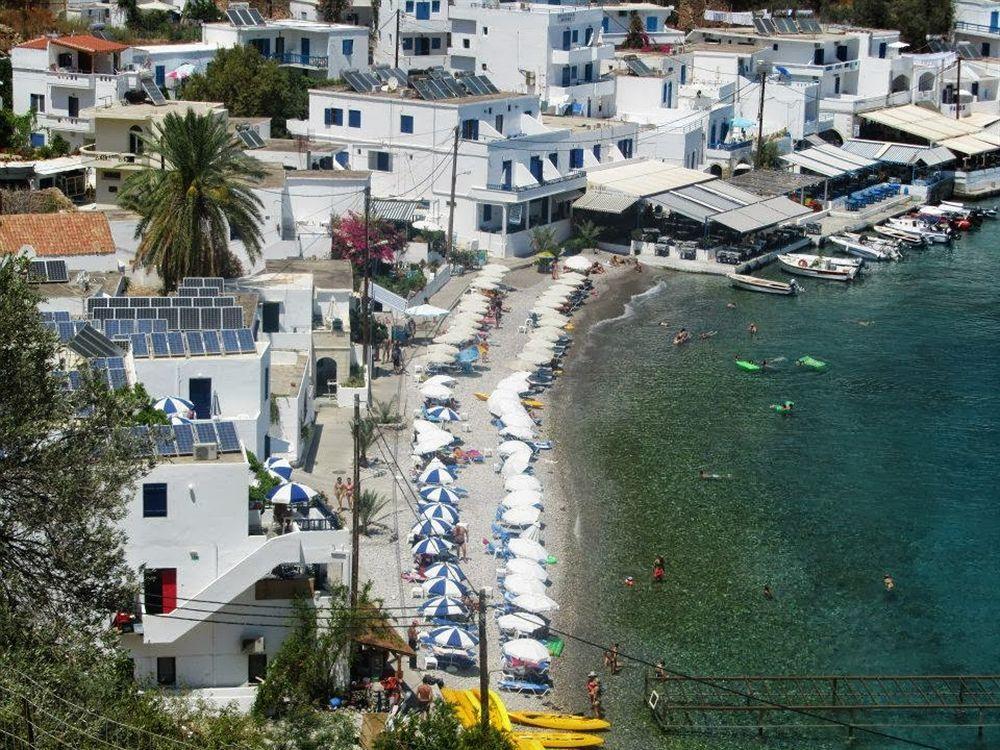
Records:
x=246, y=341
x=211, y=342
x=182, y=301
x=184, y=436
x=251, y=138
x=139, y=302
x=159, y=302
x=36, y=271
x=56, y=270
x=255, y=17
x=112, y=327
x=73, y=380
x=813, y=26
x=232, y=317
x=189, y=319
x=229, y=442
x=153, y=92
x=202, y=301
x=170, y=315
x=488, y=84
x=103, y=313
x=117, y=301
x=125, y=313
x=93, y=302
x=205, y=432
x=187, y=291
x=159, y=342
x=116, y=363
x=769, y=26
x=211, y=317
x=245, y=16
x=230, y=341
x=193, y=281
x=163, y=440
x=145, y=314
x=117, y=378
x=759, y=25
x=784, y=27
x=234, y=19
x=175, y=342
x=384, y=73
x=363, y=83
x=195, y=343
x=216, y=282
x=638, y=67
x=420, y=85
x=224, y=301
x=90, y=343
x=140, y=345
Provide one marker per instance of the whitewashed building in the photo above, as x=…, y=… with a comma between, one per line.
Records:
x=420, y=38
x=653, y=19
x=978, y=22
x=158, y=61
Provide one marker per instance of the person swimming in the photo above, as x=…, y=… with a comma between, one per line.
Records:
x=768, y=594
x=888, y=582
x=702, y=474
x=706, y=335
x=682, y=337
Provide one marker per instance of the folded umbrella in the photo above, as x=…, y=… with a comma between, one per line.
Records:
x=522, y=482
x=452, y=637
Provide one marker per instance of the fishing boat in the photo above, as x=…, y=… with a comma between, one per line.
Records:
x=929, y=233
x=903, y=235
x=957, y=219
x=765, y=286
x=819, y=266
x=854, y=245
x=985, y=211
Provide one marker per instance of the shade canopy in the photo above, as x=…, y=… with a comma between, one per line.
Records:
x=521, y=482
x=436, y=475
x=527, y=549
x=445, y=570
x=291, y=493
x=520, y=622
x=524, y=516
x=443, y=606
x=578, y=262
x=440, y=511
x=529, y=568
x=536, y=603
x=433, y=545
x=431, y=527
x=436, y=391
x=452, y=637
x=425, y=311
x=522, y=498
x=443, y=586
x=174, y=405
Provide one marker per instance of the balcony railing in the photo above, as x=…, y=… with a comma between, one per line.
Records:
x=507, y=188
x=734, y=146
x=977, y=28
x=297, y=58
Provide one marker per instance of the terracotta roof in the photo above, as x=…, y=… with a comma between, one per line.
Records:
x=79, y=42
x=73, y=233
x=378, y=633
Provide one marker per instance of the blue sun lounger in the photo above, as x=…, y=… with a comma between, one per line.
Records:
x=524, y=687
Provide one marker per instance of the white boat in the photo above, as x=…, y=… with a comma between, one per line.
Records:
x=990, y=211
x=854, y=246
x=765, y=286
x=818, y=266
x=929, y=233
x=903, y=235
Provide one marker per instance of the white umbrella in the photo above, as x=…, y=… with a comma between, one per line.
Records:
x=521, y=516
x=572, y=276
x=522, y=499
x=516, y=418
x=521, y=482
x=434, y=358
x=432, y=443
x=440, y=380
x=485, y=284
x=527, y=649
x=540, y=345
x=510, y=447
x=517, y=383
x=422, y=425
x=532, y=533
x=520, y=585
x=425, y=311
x=476, y=304
x=535, y=603
x=425, y=225
x=521, y=433
x=434, y=390
x=528, y=549
x=454, y=337
x=535, y=357
x=516, y=464
x=520, y=622
x=578, y=263
x=527, y=568
x=543, y=306
x=489, y=273
x=547, y=333
x=500, y=402
x=445, y=349
x=552, y=318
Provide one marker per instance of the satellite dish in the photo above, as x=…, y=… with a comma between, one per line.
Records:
x=393, y=83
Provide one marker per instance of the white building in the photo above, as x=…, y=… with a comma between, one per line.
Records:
x=357, y=13
x=653, y=18
x=978, y=22
x=421, y=39
x=552, y=51
x=210, y=567
x=158, y=61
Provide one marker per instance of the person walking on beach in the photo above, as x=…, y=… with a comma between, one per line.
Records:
x=349, y=493
x=594, y=694
x=658, y=569
x=615, y=666
x=460, y=536
x=338, y=492
x=411, y=640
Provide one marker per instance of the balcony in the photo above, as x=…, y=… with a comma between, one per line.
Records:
x=977, y=28
x=298, y=60
x=66, y=124
x=732, y=146
x=117, y=159
x=509, y=188
x=580, y=55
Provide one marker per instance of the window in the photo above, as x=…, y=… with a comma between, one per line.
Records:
x=436, y=6
x=554, y=159
x=160, y=75
x=113, y=189
x=575, y=36
x=37, y=103
x=588, y=35
x=881, y=50
x=406, y=123
x=379, y=161
x=159, y=590
x=818, y=56
x=348, y=47
x=536, y=168
x=154, y=500
x=423, y=11
x=625, y=146
x=166, y=670
x=73, y=106
x=470, y=130
x=668, y=93
x=436, y=42
x=487, y=212
x=465, y=44
x=112, y=175
x=271, y=317
x=135, y=140
x=333, y=116
x=588, y=72
x=565, y=76
x=842, y=52
x=605, y=24
x=836, y=84
x=409, y=6
x=974, y=88
x=650, y=23
x=486, y=30
x=597, y=151
x=354, y=118
x=498, y=124
x=576, y=158
x=684, y=74
x=775, y=46
x=408, y=43
x=267, y=383
x=506, y=170
x=256, y=668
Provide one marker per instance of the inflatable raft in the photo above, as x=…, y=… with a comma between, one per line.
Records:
x=745, y=364
x=811, y=362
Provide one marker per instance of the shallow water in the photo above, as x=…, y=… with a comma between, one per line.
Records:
x=888, y=464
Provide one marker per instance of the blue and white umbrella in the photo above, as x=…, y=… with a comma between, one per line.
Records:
x=291, y=493
x=174, y=405
x=452, y=637
x=439, y=512
x=279, y=467
x=443, y=587
x=445, y=570
x=437, y=494
x=433, y=545
x=442, y=414
x=178, y=419
x=469, y=355
x=443, y=606
x=436, y=476
x=431, y=527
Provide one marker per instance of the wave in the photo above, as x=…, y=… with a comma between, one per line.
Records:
x=629, y=310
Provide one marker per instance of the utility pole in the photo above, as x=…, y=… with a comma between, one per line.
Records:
x=355, y=532
x=29, y=724
x=484, y=674
x=958, y=89
x=366, y=313
x=451, y=202
x=760, y=121
x=397, y=39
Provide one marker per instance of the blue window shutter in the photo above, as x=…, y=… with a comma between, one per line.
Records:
x=588, y=35
x=409, y=6
x=408, y=43
x=423, y=11
x=348, y=47
x=576, y=158
x=328, y=116
x=566, y=39
x=597, y=151
x=650, y=23
x=565, y=76
x=154, y=500
x=605, y=24
x=338, y=116
x=436, y=42
x=576, y=36
x=488, y=212
x=343, y=158
x=160, y=73
x=436, y=6
x=406, y=123
x=354, y=118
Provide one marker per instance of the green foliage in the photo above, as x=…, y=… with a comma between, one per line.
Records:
x=15, y=131
x=202, y=10
x=439, y=729
x=6, y=82
x=356, y=379
x=64, y=478
x=142, y=409
x=251, y=86
x=462, y=257
x=543, y=240
x=57, y=146
x=332, y=11
x=275, y=411
x=265, y=482
x=384, y=412
x=636, y=37
x=370, y=507
x=364, y=430
x=585, y=236
x=188, y=207
x=768, y=156
x=402, y=280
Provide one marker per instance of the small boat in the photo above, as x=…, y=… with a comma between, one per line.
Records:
x=819, y=266
x=989, y=212
x=884, y=245
x=682, y=337
x=811, y=362
x=570, y=722
x=929, y=233
x=561, y=739
x=481, y=396
x=745, y=364
x=903, y=235
x=959, y=219
x=861, y=250
x=765, y=286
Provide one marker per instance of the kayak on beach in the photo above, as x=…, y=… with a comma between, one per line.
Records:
x=561, y=739
x=572, y=722
x=745, y=364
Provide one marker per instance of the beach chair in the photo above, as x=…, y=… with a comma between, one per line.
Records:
x=524, y=687
x=498, y=532
x=542, y=445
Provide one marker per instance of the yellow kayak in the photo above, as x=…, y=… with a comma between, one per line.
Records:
x=463, y=708
x=498, y=711
x=532, y=403
x=481, y=396
x=561, y=739
x=526, y=743
x=571, y=722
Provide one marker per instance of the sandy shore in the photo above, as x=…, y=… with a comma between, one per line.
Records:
x=385, y=554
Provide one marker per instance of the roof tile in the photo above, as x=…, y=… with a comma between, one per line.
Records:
x=55, y=235
x=79, y=42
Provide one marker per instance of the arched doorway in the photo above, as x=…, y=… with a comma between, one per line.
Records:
x=925, y=82
x=326, y=376
x=900, y=83
x=716, y=170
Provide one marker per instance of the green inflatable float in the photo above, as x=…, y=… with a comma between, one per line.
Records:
x=811, y=362
x=747, y=365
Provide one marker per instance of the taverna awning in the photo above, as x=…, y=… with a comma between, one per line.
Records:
x=604, y=201
x=899, y=153
x=976, y=143
x=921, y=122
x=762, y=215
x=829, y=161
x=644, y=177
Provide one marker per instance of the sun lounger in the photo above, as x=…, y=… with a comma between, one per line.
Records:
x=542, y=445
x=524, y=687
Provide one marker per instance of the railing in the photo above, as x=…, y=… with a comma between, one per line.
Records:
x=735, y=146
x=977, y=27
x=507, y=188
x=65, y=122
x=297, y=58
x=319, y=524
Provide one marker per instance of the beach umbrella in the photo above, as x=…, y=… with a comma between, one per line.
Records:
x=444, y=380
x=439, y=511
x=495, y=267
x=515, y=418
x=532, y=533
x=425, y=311
x=443, y=414
x=421, y=426
x=521, y=482
x=445, y=570
x=577, y=263
x=522, y=499
x=436, y=475
x=449, y=350
x=443, y=587
x=534, y=357
x=293, y=492
x=521, y=585
x=433, y=545
x=454, y=337
x=178, y=419
x=510, y=447
x=469, y=355
x=452, y=637
x=437, y=358
x=443, y=606
x=522, y=516
x=279, y=467
x=432, y=443
x=436, y=391
x=547, y=333
x=527, y=549
x=516, y=383
x=433, y=527
x=526, y=649
x=520, y=433
x=527, y=568
x=520, y=622
x=438, y=494
x=540, y=346
x=536, y=603
x=426, y=225
x=500, y=401
x=485, y=284
x=543, y=305
x=174, y=405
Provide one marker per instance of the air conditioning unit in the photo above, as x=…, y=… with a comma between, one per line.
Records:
x=206, y=451
x=253, y=645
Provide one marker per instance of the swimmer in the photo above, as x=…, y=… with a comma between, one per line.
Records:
x=706, y=335
x=730, y=305
x=888, y=582
x=752, y=329
x=702, y=474
x=768, y=594
x=864, y=323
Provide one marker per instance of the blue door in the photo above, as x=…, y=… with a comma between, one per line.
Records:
x=565, y=76
x=605, y=24
x=650, y=23
x=588, y=72
x=343, y=159
x=305, y=51
x=711, y=136
x=200, y=394
x=160, y=75
x=423, y=11
x=566, y=39
x=536, y=168
x=994, y=21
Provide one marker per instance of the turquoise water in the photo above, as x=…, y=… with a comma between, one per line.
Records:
x=889, y=463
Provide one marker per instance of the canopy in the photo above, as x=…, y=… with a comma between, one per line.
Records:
x=522, y=498
x=520, y=622
x=484, y=283
x=604, y=201
x=293, y=492
x=445, y=570
x=495, y=267
x=762, y=215
x=434, y=475
x=516, y=464
x=527, y=549
x=443, y=587
x=174, y=405
x=436, y=391
x=452, y=637
x=522, y=482
x=279, y=466
x=433, y=545
x=524, y=516
x=534, y=603
x=829, y=161
x=443, y=414
x=443, y=606
x=531, y=569
x=921, y=122
x=643, y=177
x=439, y=510
x=432, y=442
x=425, y=311
x=430, y=527
x=510, y=447
x=516, y=585
x=527, y=649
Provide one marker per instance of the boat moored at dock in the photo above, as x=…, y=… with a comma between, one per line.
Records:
x=764, y=286
x=820, y=266
x=867, y=248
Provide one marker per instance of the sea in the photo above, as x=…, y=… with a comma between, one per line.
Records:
x=888, y=464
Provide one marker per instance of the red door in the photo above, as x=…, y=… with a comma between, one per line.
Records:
x=168, y=577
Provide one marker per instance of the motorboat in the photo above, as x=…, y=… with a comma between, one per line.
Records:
x=903, y=235
x=819, y=266
x=765, y=286
x=984, y=211
x=929, y=233
x=865, y=248
x=958, y=219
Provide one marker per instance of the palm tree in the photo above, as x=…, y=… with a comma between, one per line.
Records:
x=188, y=205
x=587, y=234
